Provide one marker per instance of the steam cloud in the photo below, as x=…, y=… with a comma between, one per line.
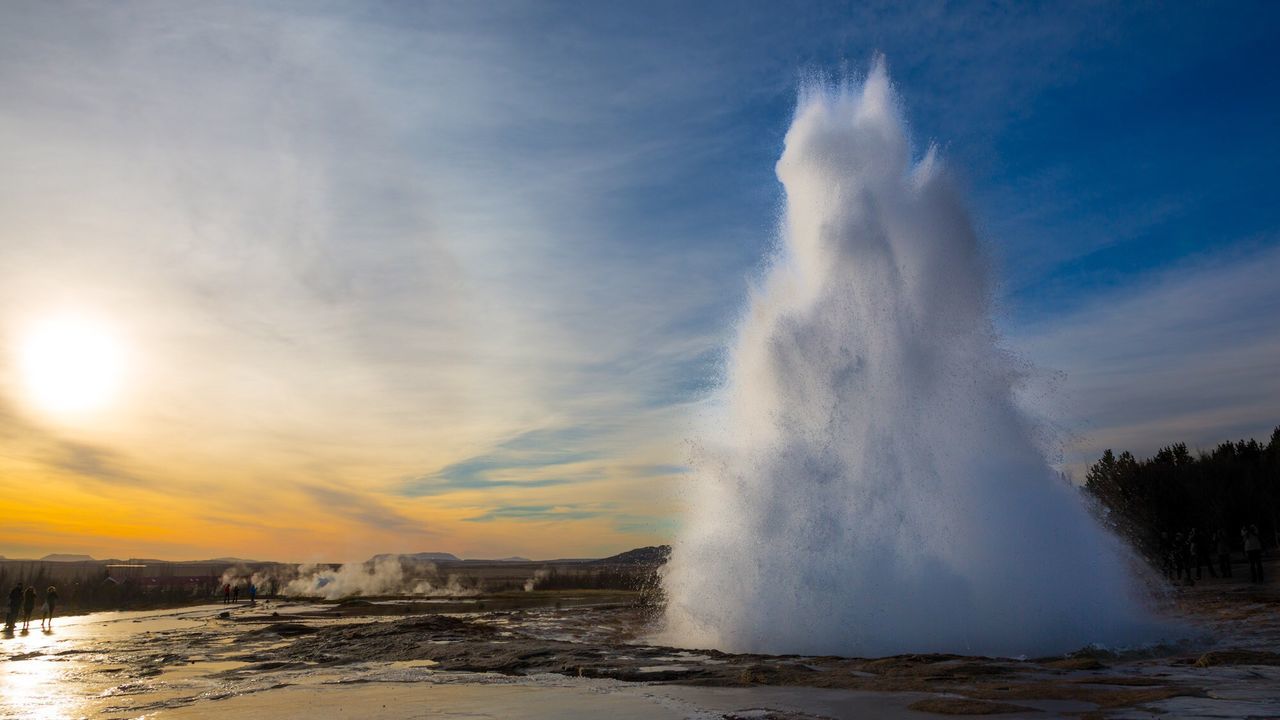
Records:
x=538, y=578
x=383, y=575
x=867, y=485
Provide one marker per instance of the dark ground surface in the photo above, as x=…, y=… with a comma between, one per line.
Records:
x=1240, y=625
x=132, y=664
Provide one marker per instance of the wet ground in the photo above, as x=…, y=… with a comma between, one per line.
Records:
x=582, y=655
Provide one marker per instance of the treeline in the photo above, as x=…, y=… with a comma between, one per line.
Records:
x=641, y=577
x=612, y=577
x=1236, y=484
x=95, y=591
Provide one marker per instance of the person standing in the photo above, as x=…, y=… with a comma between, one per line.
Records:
x=1199, y=550
x=1180, y=557
x=1166, y=556
x=1253, y=552
x=1224, y=553
x=15, y=602
x=28, y=607
x=226, y=594
x=46, y=611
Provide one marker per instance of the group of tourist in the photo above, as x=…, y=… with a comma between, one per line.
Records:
x=231, y=593
x=1192, y=551
x=23, y=602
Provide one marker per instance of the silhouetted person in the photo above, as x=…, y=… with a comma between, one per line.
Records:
x=253, y=594
x=28, y=607
x=46, y=610
x=15, y=602
x=226, y=594
x=1193, y=552
x=1224, y=553
x=1180, y=564
x=1198, y=550
x=1166, y=556
x=1253, y=552
x=235, y=594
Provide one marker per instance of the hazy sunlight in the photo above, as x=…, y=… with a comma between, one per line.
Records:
x=70, y=365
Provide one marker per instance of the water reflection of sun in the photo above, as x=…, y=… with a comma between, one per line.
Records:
x=35, y=689
x=33, y=683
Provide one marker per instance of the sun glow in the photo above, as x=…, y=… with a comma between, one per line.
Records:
x=70, y=365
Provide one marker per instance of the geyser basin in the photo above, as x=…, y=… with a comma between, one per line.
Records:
x=868, y=485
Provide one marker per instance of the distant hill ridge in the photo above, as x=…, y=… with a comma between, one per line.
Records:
x=651, y=555
x=421, y=556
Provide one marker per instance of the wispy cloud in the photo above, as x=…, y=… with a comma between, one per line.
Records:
x=511, y=464
x=394, y=261
x=365, y=510
x=364, y=244
x=95, y=463
x=651, y=525
x=1188, y=354
x=538, y=513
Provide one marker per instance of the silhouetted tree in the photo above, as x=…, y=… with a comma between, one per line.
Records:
x=1235, y=484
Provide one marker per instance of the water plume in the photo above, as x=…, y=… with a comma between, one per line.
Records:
x=866, y=484
x=384, y=575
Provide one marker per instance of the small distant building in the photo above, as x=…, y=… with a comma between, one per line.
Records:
x=120, y=572
x=192, y=582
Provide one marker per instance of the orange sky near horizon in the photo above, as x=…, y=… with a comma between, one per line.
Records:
x=286, y=466
x=119, y=509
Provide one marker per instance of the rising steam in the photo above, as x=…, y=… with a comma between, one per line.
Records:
x=384, y=575
x=868, y=485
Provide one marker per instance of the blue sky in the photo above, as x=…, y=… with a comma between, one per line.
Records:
x=419, y=264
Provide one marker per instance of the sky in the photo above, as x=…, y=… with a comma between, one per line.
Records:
x=400, y=277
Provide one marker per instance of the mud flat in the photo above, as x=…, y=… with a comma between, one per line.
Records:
x=569, y=655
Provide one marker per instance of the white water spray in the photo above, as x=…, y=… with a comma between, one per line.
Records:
x=868, y=486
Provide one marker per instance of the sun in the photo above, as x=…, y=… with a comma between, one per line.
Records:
x=70, y=365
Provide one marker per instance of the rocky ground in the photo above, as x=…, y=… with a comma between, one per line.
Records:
x=601, y=642
x=576, y=646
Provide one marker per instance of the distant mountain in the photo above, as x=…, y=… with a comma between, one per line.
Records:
x=422, y=556
x=651, y=555
x=231, y=560
x=513, y=558
x=65, y=557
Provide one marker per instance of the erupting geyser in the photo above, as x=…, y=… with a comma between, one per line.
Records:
x=868, y=485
